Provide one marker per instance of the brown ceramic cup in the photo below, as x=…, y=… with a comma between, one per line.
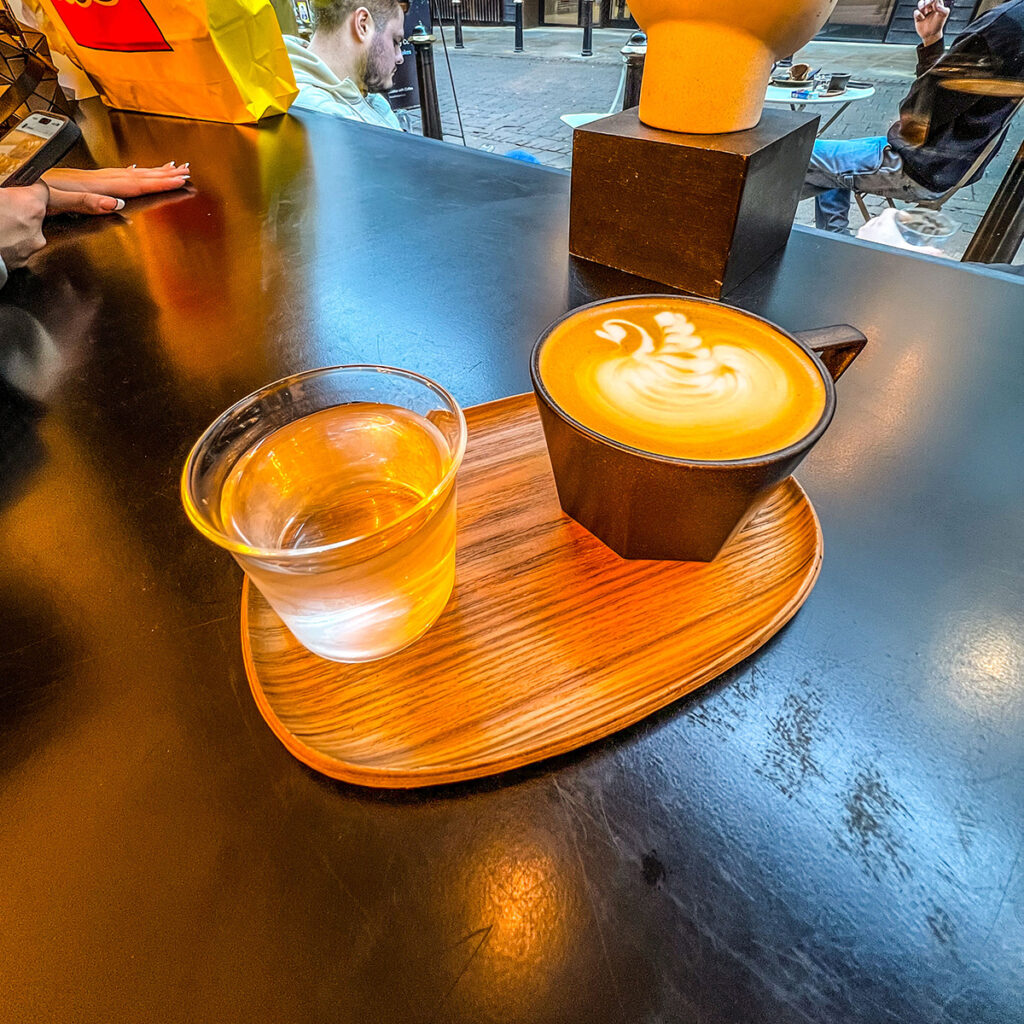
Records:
x=651, y=506
x=839, y=81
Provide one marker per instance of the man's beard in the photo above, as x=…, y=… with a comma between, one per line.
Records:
x=380, y=66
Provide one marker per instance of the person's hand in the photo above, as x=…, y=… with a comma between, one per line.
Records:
x=81, y=202
x=104, y=190
x=930, y=19
x=21, y=223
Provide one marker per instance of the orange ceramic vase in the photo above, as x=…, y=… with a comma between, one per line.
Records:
x=708, y=61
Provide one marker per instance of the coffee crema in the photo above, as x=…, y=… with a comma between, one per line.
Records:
x=682, y=379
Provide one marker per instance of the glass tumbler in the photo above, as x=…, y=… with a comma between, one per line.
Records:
x=334, y=490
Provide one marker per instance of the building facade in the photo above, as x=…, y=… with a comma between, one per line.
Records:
x=889, y=21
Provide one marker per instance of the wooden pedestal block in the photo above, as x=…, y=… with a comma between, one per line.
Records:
x=697, y=212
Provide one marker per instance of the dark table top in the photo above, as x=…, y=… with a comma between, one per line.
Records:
x=832, y=831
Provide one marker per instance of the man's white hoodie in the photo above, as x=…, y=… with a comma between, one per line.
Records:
x=321, y=89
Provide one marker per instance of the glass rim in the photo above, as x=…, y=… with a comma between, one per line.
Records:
x=203, y=523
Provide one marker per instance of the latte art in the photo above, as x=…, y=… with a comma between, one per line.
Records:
x=650, y=380
x=730, y=388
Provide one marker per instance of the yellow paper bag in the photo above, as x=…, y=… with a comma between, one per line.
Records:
x=214, y=60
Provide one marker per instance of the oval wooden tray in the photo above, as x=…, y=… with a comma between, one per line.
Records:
x=550, y=640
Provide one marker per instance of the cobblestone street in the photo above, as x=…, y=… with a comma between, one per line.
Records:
x=513, y=100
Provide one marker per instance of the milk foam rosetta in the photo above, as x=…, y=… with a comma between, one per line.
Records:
x=719, y=386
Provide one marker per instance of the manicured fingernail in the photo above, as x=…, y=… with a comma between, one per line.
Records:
x=131, y=167
x=118, y=205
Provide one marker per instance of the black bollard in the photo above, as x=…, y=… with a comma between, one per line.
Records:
x=519, y=26
x=457, y=5
x=633, y=55
x=430, y=113
x=1002, y=228
x=587, y=7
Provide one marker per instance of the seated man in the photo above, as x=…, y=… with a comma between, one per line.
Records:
x=942, y=130
x=351, y=60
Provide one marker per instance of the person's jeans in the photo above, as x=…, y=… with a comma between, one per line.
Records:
x=837, y=169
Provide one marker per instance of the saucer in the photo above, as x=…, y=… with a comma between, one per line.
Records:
x=550, y=640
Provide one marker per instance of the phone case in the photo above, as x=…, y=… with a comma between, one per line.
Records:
x=53, y=151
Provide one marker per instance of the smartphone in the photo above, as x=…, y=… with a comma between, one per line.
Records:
x=34, y=145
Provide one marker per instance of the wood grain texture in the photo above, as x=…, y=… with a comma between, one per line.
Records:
x=550, y=639
x=705, y=210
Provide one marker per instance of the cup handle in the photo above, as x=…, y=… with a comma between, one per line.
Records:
x=836, y=346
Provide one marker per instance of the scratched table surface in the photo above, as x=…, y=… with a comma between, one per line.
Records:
x=830, y=832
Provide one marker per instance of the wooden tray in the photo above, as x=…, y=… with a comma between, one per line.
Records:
x=550, y=639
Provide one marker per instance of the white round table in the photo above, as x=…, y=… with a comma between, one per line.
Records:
x=773, y=95
x=852, y=94
x=578, y=120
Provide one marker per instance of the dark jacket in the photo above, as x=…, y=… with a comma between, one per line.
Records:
x=943, y=129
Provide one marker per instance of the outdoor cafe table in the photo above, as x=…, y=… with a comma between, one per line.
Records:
x=832, y=831
x=852, y=94
x=777, y=95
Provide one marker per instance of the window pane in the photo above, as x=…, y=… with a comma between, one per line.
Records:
x=859, y=19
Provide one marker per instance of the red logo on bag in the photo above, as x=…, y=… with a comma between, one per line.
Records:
x=95, y=24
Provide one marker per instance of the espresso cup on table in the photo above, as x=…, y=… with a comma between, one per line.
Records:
x=669, y=420
x=839, y=81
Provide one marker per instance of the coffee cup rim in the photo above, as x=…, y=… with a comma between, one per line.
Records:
x=804, y=443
